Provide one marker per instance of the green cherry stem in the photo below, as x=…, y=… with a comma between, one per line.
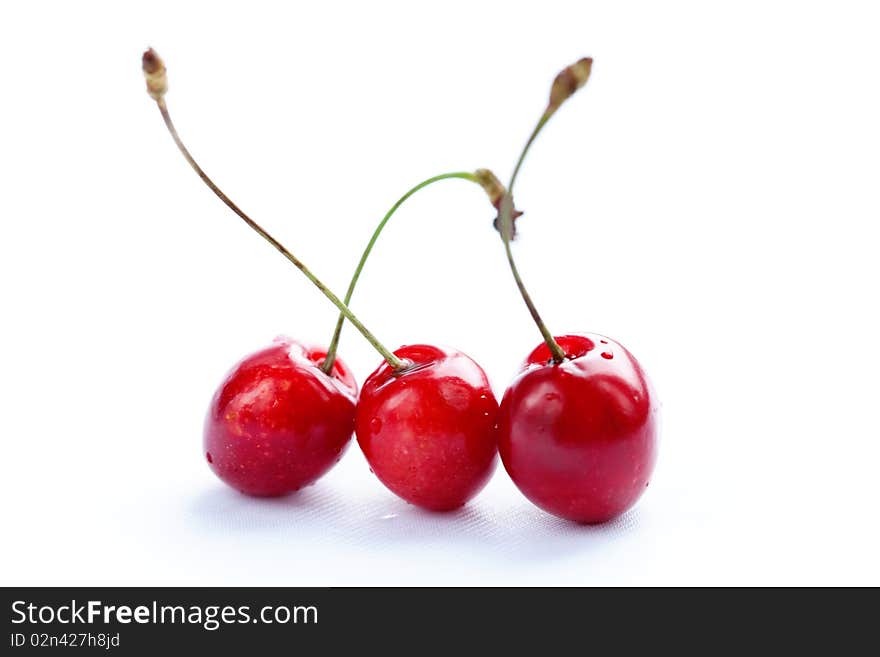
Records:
x=154, y=71
x=556, y=351
x=565, y=84
x=334, y=342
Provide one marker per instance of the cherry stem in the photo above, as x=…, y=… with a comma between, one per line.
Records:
x=334, y=342
x=506, y=213
x=395, y=363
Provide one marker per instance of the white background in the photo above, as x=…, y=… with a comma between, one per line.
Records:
x=710, y=199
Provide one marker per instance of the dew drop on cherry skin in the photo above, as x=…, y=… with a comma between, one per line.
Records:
x=277, y=422
x=579, y=439
x=429, y=433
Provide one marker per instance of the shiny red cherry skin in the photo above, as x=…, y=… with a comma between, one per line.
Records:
x=579, y=438
x=277, y=422
x=429, y=433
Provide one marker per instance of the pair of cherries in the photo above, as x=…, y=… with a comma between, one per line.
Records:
x=278, y=422
x=576, y=430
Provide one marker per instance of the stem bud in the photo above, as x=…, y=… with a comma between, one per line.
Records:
x=568, y=81
x=155, y=74
x=491, y=185
x=496, y=193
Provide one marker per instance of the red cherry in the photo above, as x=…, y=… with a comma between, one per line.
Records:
x=579, y=438
x=429, y=433
x=277, y=422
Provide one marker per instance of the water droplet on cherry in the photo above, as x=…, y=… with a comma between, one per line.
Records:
x=375, y=425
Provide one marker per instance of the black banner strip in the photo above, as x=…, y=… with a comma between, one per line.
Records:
x=148, y=621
